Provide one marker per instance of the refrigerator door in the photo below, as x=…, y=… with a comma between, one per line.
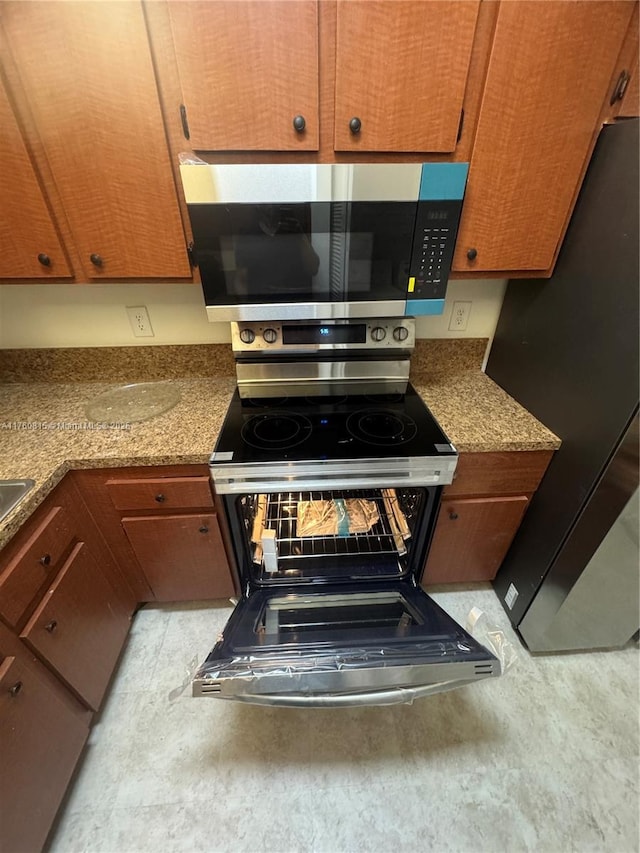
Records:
x=566, y=348
x=340, y=645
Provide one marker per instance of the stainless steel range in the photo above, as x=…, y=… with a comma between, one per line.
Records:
x=328, y=478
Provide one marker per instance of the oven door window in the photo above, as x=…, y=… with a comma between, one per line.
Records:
x=303, y=252
x=382, y=643
x=338, y=535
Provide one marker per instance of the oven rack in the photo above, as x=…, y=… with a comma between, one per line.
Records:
x=388, y=536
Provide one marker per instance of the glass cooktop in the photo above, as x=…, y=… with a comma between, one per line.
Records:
x=332, y=428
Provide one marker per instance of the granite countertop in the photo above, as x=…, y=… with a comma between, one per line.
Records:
x=45, y=432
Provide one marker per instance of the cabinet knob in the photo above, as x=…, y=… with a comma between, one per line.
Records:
x=96, y=260
x=453, y=515
x=472, y=254
x=45, y=560
x=17, y=687
x=355, y=124
x=299, y=124
x=204, y=529
x=620, y=87
x=44, y=259
x=160, y=498
x=51, y=626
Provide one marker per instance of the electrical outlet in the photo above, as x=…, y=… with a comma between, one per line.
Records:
x=140, y=322
x=459, y=316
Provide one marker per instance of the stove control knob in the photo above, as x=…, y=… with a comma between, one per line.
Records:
x=270, y=336
x=247, y=336
x=378, y=333
x=401, y=333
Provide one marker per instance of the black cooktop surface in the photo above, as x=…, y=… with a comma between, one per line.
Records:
x=312, y=428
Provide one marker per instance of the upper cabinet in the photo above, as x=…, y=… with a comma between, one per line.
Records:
x=104, y=96
x=84, y=82
x=400, y=74
x=30, y=244
x=549, y=74
x=248, y=73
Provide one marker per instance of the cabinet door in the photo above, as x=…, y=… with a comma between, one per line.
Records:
x=35, y=565
x=401, y=70
x=471, y=538
x=40, y=741
x=80, y=626
x=30, y=244
x=548, y=76
x=88, y=77
x=182, y=556
x=247, y=69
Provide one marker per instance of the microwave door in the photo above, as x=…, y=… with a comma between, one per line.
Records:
x=379, y=643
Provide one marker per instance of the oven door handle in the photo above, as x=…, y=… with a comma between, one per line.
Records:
x=393, y=696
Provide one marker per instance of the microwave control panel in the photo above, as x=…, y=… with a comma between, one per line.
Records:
x=433, y=244
x=387, y=333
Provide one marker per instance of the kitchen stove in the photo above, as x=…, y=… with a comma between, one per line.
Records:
x=329, y=501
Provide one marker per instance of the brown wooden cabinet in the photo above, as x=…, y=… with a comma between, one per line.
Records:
x=42, y=733
x=247, y=69
x=31, y=247
x=83, y=81
x=182, y=556
x=162, y=524
x=63, y=594
x=480, y=513
x=401, y=74
x=547, y=80
x=80, y=626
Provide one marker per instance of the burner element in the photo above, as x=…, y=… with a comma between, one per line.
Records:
x=276, y=430
x=381, y=427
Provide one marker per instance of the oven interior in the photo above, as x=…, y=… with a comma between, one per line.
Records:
x=336, y=535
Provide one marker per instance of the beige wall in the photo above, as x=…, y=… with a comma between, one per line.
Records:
x=64, y=315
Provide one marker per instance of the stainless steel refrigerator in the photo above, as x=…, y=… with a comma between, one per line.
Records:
x=567, y=349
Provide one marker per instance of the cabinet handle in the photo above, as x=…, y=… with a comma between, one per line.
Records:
x=96, y=260
x=453, y=515
x=620, y=87
x=160, y=498
x=204, y=529
x=472, y=254
x=299, y=124
x=51, y=626
x=44, y=259
x=355, y=124
x=17, y=687
x=45, y=560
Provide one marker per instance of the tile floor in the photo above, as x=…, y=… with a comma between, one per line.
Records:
x=544, y=758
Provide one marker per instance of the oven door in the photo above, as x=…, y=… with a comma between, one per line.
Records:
x=373, y=644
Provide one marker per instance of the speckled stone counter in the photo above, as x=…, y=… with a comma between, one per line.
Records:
x=44, y=431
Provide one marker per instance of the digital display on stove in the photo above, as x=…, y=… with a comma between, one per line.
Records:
x=325, y=334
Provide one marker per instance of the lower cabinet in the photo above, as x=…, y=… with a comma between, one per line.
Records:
x=42, y=733
x=472, y=537
x=80, y=626
x=182, y=556
x=480, y=513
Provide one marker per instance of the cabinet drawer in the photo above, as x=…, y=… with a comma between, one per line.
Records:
x=182, y=556
x=512, y=472
x=41, y=738
x=80, y=626
x=160, y=493
x=28, y=573
x=471, y=538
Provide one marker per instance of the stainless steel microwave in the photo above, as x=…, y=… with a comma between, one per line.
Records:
x=322, y=241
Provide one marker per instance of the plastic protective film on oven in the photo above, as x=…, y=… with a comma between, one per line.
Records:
x=287, y=241
x=385, y=644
